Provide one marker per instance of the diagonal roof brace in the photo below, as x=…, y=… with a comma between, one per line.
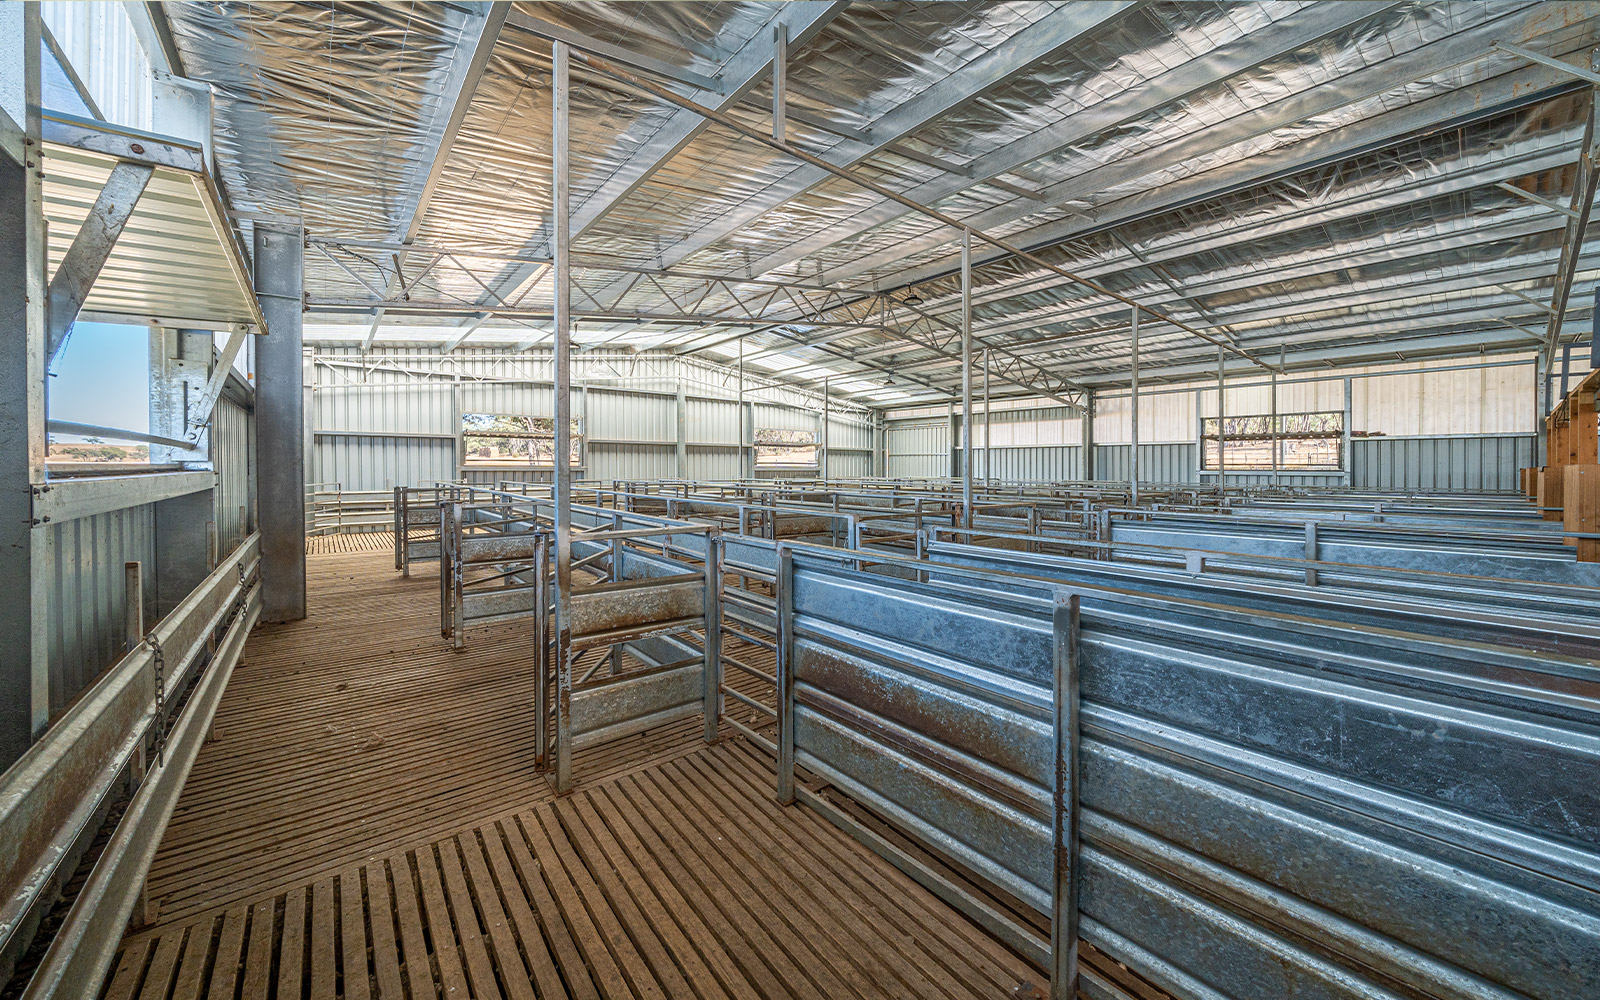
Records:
x=790, y=149
x=90, y=249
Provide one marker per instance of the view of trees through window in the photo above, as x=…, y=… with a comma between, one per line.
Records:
x=778, y=447
x=1305, y=441
x=509, y=439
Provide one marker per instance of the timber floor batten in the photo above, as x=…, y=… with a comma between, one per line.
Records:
x=369, y=823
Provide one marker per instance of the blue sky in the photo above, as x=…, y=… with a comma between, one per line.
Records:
x=103, y=377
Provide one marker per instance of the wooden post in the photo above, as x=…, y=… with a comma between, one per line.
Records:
x=1551, y=481
x=1581, y=492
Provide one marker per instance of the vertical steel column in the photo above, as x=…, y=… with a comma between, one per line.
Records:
x=822, y=464
x=1222, y=434
x=1348, y=454
x=988, y=445
x=1064, y=815
x=1277, y=460
x=784, y=595
x=1133, y=410
x=744, y=431
x=1086, y=437
x=780, y=82
x=952, y=456
x=966, y=378
x=562, y=359
x=711, y=680
x=24, y=545
x=1541, y=405
x=280, y=421
x=681, y=443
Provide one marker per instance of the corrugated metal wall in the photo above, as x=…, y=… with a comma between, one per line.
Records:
x=1462, y=462
x=1453, y=429
x=378, y=428
x=233, y=457
x=918, y=449
x=85, y=561
x=86, y=558
x=98, y=40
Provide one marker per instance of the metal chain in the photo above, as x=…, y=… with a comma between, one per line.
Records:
x=160, y=664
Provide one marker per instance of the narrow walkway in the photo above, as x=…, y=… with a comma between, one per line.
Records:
x=680, y=880
x=359, y=731
x=368, y=823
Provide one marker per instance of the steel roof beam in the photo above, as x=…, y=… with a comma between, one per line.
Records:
x=1512, y=163
x=742, y=72
x=1051, y=35
x=1291, y=33
x=1583, y=191
x=1504, y=91
x=462, y=83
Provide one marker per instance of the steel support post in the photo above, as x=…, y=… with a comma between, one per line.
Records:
x=784, y=595
x=561, y=208
x=1541, y=407
x=746, y=467
x=1133, y=409
x=1086, y=436
x=1222, y=433
x=780, y=82
x=966, y=378
x=1064, y=815
x=711, y=692
x=24, y=600
x=988, y=445
x=1347, y=456
x=822, y=463
x=1277, y=460
x=952, y=435
x=280, y=421
x=681, y=443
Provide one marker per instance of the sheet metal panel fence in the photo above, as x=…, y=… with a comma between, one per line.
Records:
x=233, y=444
x=1268, y=805
x=86, y=583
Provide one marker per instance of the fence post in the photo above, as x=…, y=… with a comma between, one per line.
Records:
x=785, y=663
x=1064, y=819
x=1311, y=552
x=712, y=681
x=541, y=629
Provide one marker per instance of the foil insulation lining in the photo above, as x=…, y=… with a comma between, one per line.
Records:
x=332, y=112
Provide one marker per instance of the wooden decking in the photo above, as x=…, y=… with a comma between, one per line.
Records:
x=369, y=823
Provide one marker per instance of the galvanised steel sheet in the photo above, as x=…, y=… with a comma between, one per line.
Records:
x=1270, y=806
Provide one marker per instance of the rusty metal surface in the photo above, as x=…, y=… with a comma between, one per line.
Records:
x=614, y=607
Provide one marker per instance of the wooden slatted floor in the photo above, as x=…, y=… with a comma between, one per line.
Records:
x=684, y=879
x=368, y=823
x=359, y=731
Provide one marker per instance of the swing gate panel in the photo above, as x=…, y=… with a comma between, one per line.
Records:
x=416, y=524
x=490, y=567
x=662, y=612
x=1266, y=805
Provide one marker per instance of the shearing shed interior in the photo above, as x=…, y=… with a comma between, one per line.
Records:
x=1010, y=499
